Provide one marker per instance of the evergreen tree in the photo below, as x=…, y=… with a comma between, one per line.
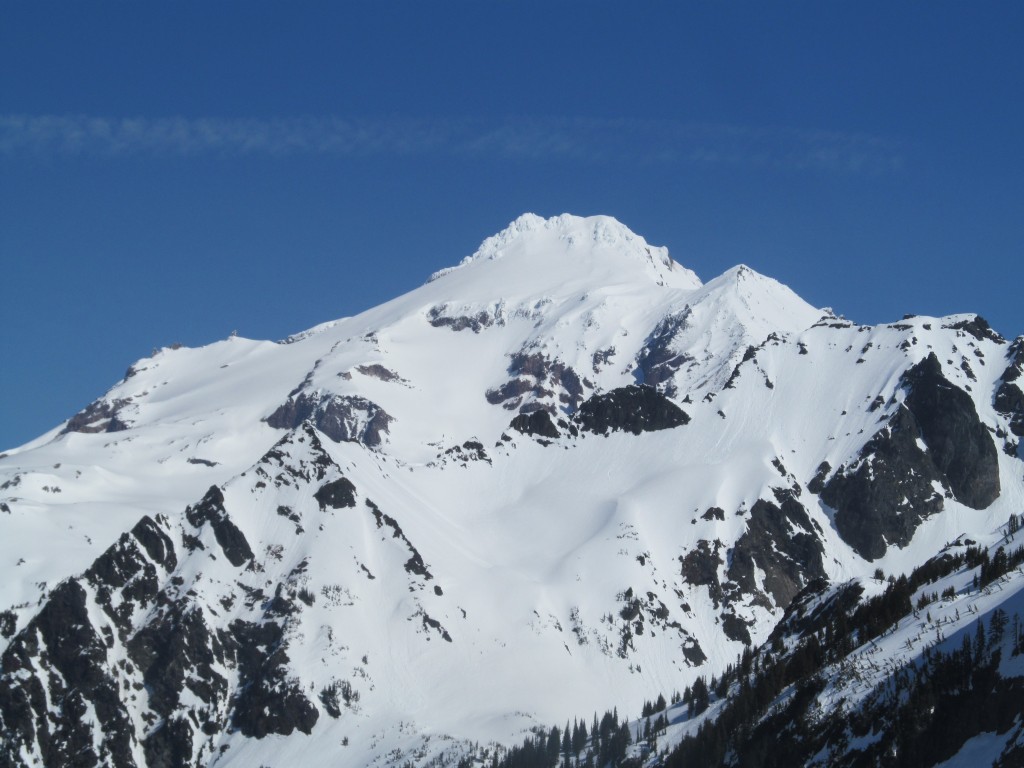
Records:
x=996, y=627
x=701, y=696
x=579, y=738
x=554, y=745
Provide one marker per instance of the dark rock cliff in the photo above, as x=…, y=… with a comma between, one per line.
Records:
x=1009, y=397
x=959, y=444
x=933, y=440
x=344, y=419
x=633, y=409
x=781, y=541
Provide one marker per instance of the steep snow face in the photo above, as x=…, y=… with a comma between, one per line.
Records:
x=561, y=476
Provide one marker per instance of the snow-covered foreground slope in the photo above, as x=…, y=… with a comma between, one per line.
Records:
x=562, y=476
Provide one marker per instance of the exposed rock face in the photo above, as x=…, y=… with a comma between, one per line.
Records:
x=777, y=555
x=63, y=657
x=817, y=483
x=537, y=378
x=439, y=317
x=100, y=416
x=270, y=701
x=1009, y=399
x=735, y=628
x=883, y=496
x=536, y=423
x=177, y=652
x=62, y=637
x=658, y=361
x=178, y=657
x=231, y=539
x=470, y=450
x=977, y=327
x=71, y=681
x=336, y=494
x=959, y=444
x=700, y=567
x=378, y=371
x=781, y=541
x=344, y=419
x=693, y=653
x=629, y=409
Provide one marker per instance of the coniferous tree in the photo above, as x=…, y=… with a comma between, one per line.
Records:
x=996, y=627
x=979, y=642
x=625, y=738
x=554, y=745
x=701, y=696
x=579, y=738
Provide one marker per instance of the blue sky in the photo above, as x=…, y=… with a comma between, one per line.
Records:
x=175, y=171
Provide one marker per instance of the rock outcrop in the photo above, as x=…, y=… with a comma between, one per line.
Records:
x=934, y=440
x=632, y=409
x=343, y=418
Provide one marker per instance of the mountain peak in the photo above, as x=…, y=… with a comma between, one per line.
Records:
x=742, y=273
x=575, y=231
x=304, y=541
x=577, y=244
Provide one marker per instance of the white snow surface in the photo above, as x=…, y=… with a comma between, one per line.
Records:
x=532, y=549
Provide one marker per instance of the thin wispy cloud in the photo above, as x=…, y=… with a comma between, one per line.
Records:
x=585, y=140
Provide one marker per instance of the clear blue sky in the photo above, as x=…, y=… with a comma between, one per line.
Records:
x=172, y=171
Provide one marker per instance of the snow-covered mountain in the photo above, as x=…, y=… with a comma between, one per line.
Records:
x=562, y=476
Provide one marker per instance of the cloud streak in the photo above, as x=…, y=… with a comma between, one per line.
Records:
x=583, y=140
